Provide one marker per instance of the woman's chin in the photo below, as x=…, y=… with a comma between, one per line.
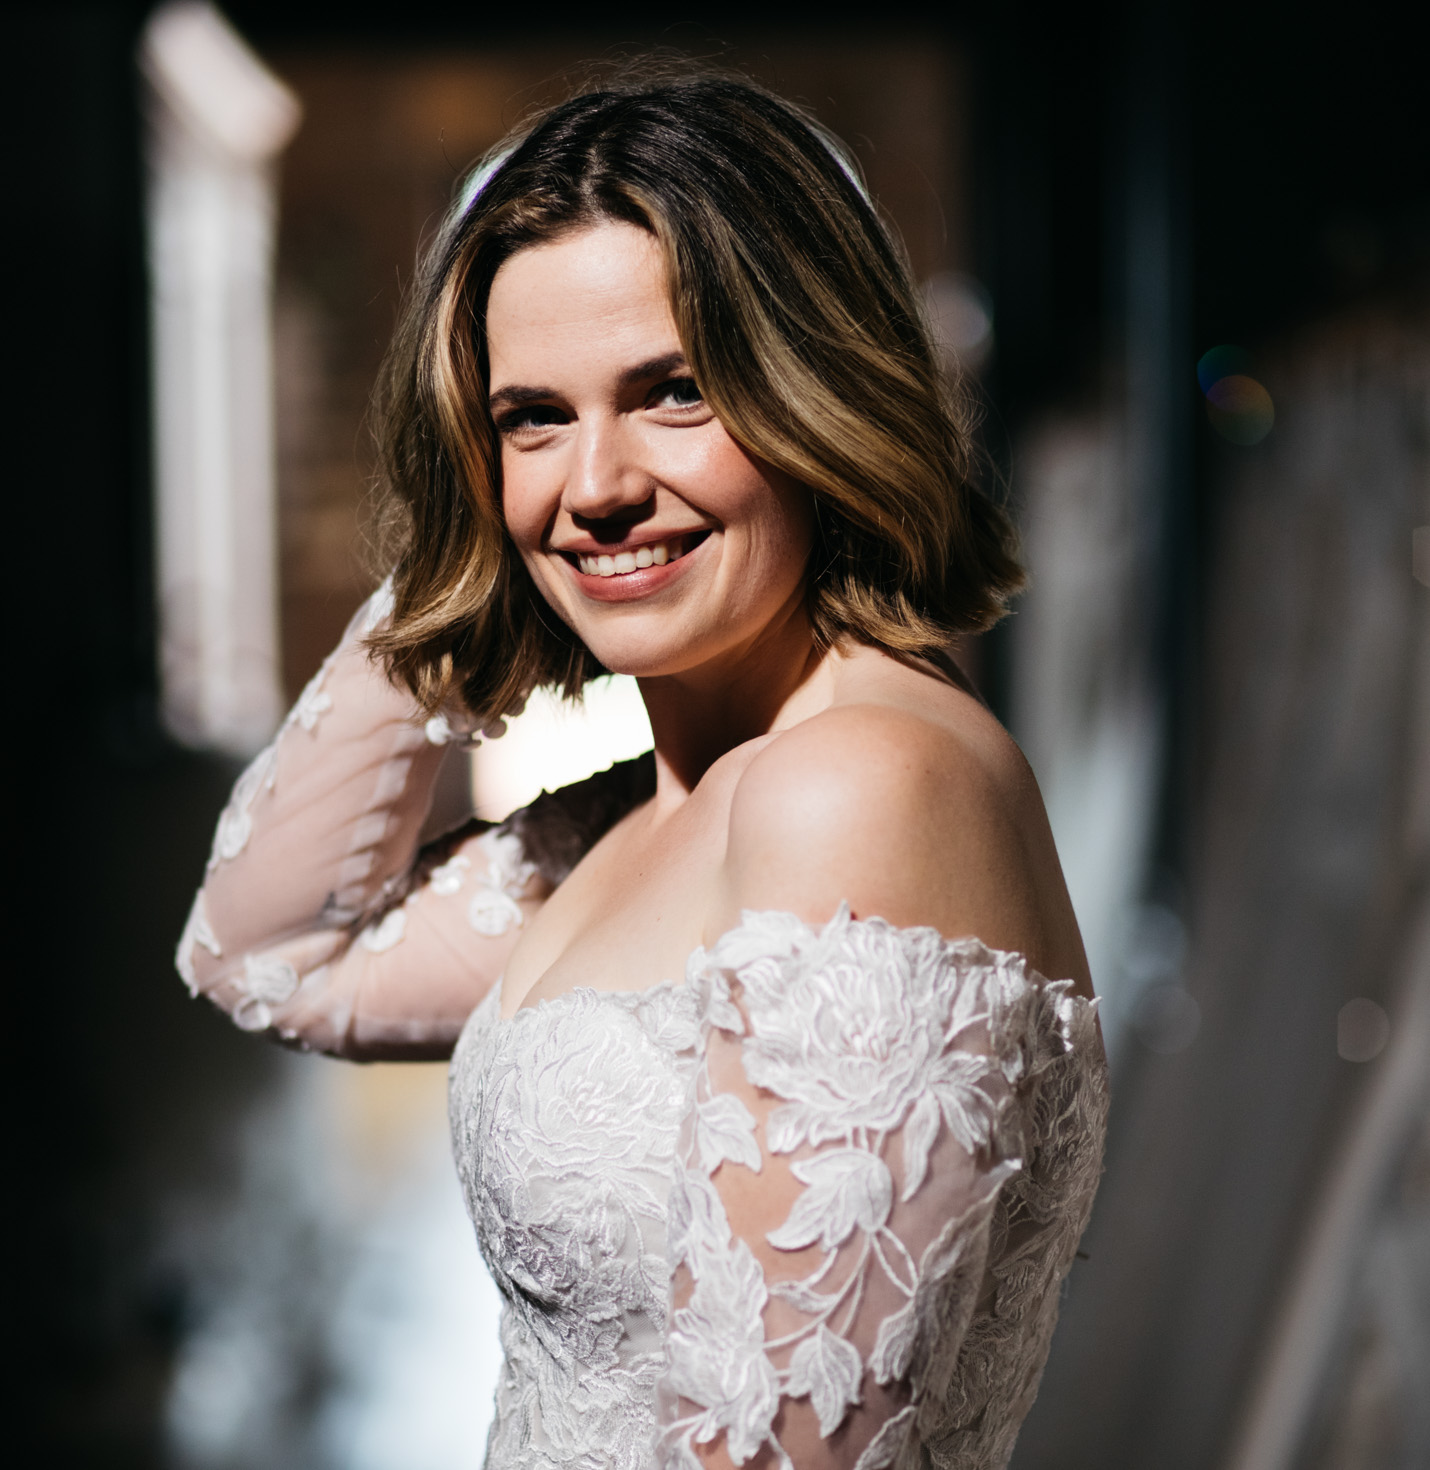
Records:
x=645, y=664
x=649, y=658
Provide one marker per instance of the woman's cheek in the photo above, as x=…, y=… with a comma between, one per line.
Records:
x=521, y=508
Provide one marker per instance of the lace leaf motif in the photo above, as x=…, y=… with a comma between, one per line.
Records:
x=717, y=1346
x=725, y=1129
x=828, y=1370
x=848, y=1189
x=919, y=1134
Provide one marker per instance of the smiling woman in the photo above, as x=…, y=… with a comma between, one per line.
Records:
x=775, y=1138
x=798, y=321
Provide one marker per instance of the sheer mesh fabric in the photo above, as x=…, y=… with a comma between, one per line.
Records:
x=325, y=920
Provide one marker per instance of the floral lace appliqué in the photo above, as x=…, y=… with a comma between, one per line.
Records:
x=314, y=701
x=235, y=823
x=494, y=907
x=377, y=607
x=387, y=933
x=875, y=1040
x=449, y=877
x=197, y=930
x=266, y=982
x=934, y=1101
x=565, y=1125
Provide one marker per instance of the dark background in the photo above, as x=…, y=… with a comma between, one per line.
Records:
x=1286, y=147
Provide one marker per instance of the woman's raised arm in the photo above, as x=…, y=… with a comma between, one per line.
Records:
x=324, y=921
x=318, y=920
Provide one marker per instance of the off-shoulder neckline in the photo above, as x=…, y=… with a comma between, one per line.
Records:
x=545, y=1001
x=749, y=918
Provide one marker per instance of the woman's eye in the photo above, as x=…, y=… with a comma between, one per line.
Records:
x=532, y=416
x=677, y=393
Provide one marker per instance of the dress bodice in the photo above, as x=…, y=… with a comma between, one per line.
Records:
x=565, y=1121
x=925, y=1118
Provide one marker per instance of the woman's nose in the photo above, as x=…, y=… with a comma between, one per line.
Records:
x=606, y=477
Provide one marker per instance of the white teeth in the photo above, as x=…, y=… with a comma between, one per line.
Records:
x=625, y=562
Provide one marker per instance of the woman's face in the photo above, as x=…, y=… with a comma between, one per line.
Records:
x=654, y=535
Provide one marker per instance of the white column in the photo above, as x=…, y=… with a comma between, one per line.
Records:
x=218, y=121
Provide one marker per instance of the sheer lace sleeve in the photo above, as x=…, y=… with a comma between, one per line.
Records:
x=323, y=921
x=891, y=1152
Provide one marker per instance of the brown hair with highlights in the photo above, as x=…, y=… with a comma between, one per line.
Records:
x=804, y=332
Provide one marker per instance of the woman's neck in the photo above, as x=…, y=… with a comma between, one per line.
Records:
x=701, y=714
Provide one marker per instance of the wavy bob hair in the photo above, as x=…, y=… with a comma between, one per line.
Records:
x=804, y=332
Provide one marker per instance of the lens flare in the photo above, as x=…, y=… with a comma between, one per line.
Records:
x=1219, y=363
x=1240, y=409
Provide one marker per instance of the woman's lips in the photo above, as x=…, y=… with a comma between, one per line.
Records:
x=618, y=576
x=623, y=563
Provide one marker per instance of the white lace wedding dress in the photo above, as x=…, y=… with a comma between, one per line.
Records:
x=810, y=1203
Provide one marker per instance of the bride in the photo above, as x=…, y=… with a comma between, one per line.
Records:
x=775, y=1139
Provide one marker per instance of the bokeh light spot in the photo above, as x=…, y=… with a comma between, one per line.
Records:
x=1362, y=1030
x=1219, y=363
x=1167, y=1019
x=1240, y=409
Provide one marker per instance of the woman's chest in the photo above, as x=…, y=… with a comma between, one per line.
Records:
x=629, y=914
x=565, y=1127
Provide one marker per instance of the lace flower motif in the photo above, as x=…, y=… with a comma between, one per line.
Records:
x=448, y=727
x=197, y=930
x=569, y=1088
x=313, y=702
x=448, y=878
x=595, y=1155
x=377, y=607
x=235, y=824
x=494, y=908
x=266, y=982
x=856, y=1026
x=717, y=1345
x=386, y=933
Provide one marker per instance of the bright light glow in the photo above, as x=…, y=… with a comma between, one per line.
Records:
x=554, y=743
x=343, y=1316
x=217, y=121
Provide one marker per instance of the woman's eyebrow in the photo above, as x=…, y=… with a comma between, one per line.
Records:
x=519, y=395
x=655, y=367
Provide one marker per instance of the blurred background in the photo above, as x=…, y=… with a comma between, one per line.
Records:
x=1184, y=256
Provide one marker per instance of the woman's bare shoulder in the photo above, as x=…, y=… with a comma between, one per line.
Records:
x=911, y=803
